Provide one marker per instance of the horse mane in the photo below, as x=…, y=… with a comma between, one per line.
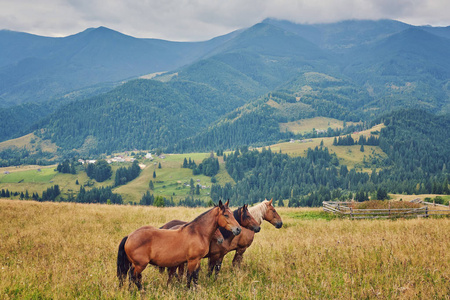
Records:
x=237, y=215
x=258, y=211
x=225, y=233
x=197, y=219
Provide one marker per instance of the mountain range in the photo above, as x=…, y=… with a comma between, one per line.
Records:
x=84, y=92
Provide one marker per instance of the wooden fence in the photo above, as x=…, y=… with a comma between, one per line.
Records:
x=426, y=210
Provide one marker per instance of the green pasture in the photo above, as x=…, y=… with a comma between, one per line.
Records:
x=29, y=176
x=171, y=179
x=35, y=181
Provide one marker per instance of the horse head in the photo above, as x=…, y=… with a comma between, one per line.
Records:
x=245, y=219
x=227, y=220
x=272, y=216
x=218, y=237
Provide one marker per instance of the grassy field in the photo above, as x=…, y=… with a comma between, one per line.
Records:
x=171, y=178
x=307, y=125
x=36, y=179
x=347, y=155
x=169, y=182
x=68, y=250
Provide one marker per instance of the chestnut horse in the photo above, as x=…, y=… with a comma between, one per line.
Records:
x=245, y=220
x=260, y=212
x=170, y=248
x=175, y=224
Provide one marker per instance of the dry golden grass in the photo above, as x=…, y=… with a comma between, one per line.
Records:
x=67, y=251
x=25, y=141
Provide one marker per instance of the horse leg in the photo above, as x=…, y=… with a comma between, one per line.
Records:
x=238, y=257
x=171, y=272
x=181, y=271
x=192, y=273
x=136, y=276
x=217, y=267
x=211, y=265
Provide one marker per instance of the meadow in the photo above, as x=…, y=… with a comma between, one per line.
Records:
x=68, y=250
x=351, y=156
x=308, y=125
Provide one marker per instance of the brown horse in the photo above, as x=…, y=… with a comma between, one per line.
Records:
x=175, y=224
x=249, y=227
x=260, y=212
x=170, y=248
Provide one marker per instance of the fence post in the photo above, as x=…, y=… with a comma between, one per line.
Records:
x=426, y=212
x=351, y=212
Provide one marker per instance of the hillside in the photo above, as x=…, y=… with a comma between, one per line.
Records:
x=141, y=114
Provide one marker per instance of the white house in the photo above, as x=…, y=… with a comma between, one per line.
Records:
x=149, y=156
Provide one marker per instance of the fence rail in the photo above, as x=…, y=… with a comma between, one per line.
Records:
x=346, y=209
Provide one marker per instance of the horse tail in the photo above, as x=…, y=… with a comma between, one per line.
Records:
x=123, y=264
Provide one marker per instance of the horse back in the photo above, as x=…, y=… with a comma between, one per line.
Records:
x=164, y=247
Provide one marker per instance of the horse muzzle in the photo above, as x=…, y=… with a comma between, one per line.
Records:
x=256, y=229
x=279, y=225
x=236, y=230
x=220, y=241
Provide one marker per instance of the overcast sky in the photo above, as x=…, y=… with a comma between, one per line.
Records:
x=194, y=20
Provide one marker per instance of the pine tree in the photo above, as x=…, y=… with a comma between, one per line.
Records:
x=197, y=189
x=280, y=203
x=191, y=186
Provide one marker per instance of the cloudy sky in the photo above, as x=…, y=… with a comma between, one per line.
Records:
x=193, y=20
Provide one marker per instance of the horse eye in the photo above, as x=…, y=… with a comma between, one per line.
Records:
x=226, y=216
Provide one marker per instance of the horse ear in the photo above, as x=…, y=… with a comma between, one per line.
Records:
x=226, y=203
x=270, y=202
x=245, y=206
x=220, y=203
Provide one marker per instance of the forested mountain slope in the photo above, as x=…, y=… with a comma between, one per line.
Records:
x=232, y=90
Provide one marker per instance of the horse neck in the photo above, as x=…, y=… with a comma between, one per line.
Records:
x=258, y=212
x=206, y=224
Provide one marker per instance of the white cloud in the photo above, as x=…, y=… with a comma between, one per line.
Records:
x=203, y=19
